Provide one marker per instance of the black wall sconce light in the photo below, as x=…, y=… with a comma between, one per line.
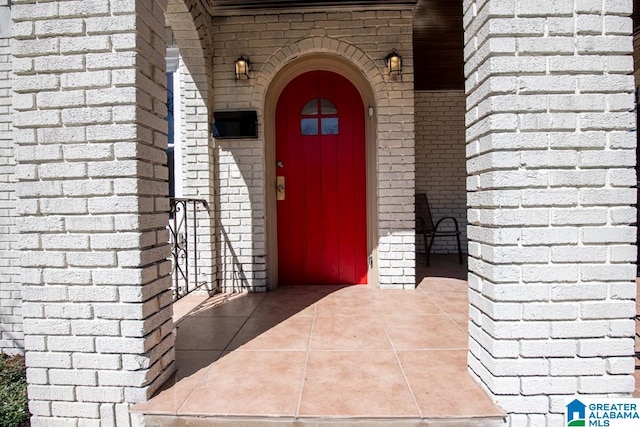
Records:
x=243, y=66
x=394, y=63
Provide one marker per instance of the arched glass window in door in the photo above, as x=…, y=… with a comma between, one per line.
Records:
x=319, y=116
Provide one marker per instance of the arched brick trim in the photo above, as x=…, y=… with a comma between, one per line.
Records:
x=191, y=25
x=311, y=45
x=367, y=75
x=190, y=21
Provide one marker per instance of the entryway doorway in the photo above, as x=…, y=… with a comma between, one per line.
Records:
x=321, y=182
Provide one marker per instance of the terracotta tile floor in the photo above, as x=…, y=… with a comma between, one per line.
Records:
x=329, y=352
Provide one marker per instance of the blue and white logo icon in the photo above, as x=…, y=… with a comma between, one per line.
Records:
x=613, y=412
x=576, y=414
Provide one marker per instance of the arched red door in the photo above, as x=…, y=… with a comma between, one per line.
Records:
x=321, y=170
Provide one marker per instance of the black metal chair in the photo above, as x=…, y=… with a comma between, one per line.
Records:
x=429, y=230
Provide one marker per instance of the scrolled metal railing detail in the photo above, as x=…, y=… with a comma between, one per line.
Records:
x=183, y=238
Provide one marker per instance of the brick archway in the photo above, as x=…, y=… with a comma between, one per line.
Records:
x=330, y=55
x=350, y=53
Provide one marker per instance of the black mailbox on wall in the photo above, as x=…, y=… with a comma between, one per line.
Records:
x=235, y=124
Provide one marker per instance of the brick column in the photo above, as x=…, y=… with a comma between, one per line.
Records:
x=11, y=336
x=198, y=164
x=551, y=152
x=90, y=134
x=190, y=23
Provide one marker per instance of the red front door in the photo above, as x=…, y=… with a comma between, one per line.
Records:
x=320, y=154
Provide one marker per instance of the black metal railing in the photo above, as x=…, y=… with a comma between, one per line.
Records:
x=183, y=238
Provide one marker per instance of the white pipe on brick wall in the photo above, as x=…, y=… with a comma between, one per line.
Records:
x=177, y=131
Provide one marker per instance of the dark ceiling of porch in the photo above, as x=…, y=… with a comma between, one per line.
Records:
x=437, y=33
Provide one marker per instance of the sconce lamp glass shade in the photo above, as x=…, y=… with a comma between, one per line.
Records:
x=243, y=66
x=394, y=63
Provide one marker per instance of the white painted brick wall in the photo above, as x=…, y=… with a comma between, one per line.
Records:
x=11, y=335
x=198, y=165
x=550, y=155
x=90, y=135
x=191, y=26
x=240, y=168
x=270, y=41
x=441, y=161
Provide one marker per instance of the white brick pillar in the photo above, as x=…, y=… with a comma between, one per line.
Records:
x=92, y=185
x=198, y=180
x=11, y=336
x=190, y=24
x=551, y=152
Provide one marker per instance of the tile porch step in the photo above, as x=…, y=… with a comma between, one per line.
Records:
x=192, y=421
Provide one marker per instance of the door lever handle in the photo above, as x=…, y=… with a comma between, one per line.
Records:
x=280, y=188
